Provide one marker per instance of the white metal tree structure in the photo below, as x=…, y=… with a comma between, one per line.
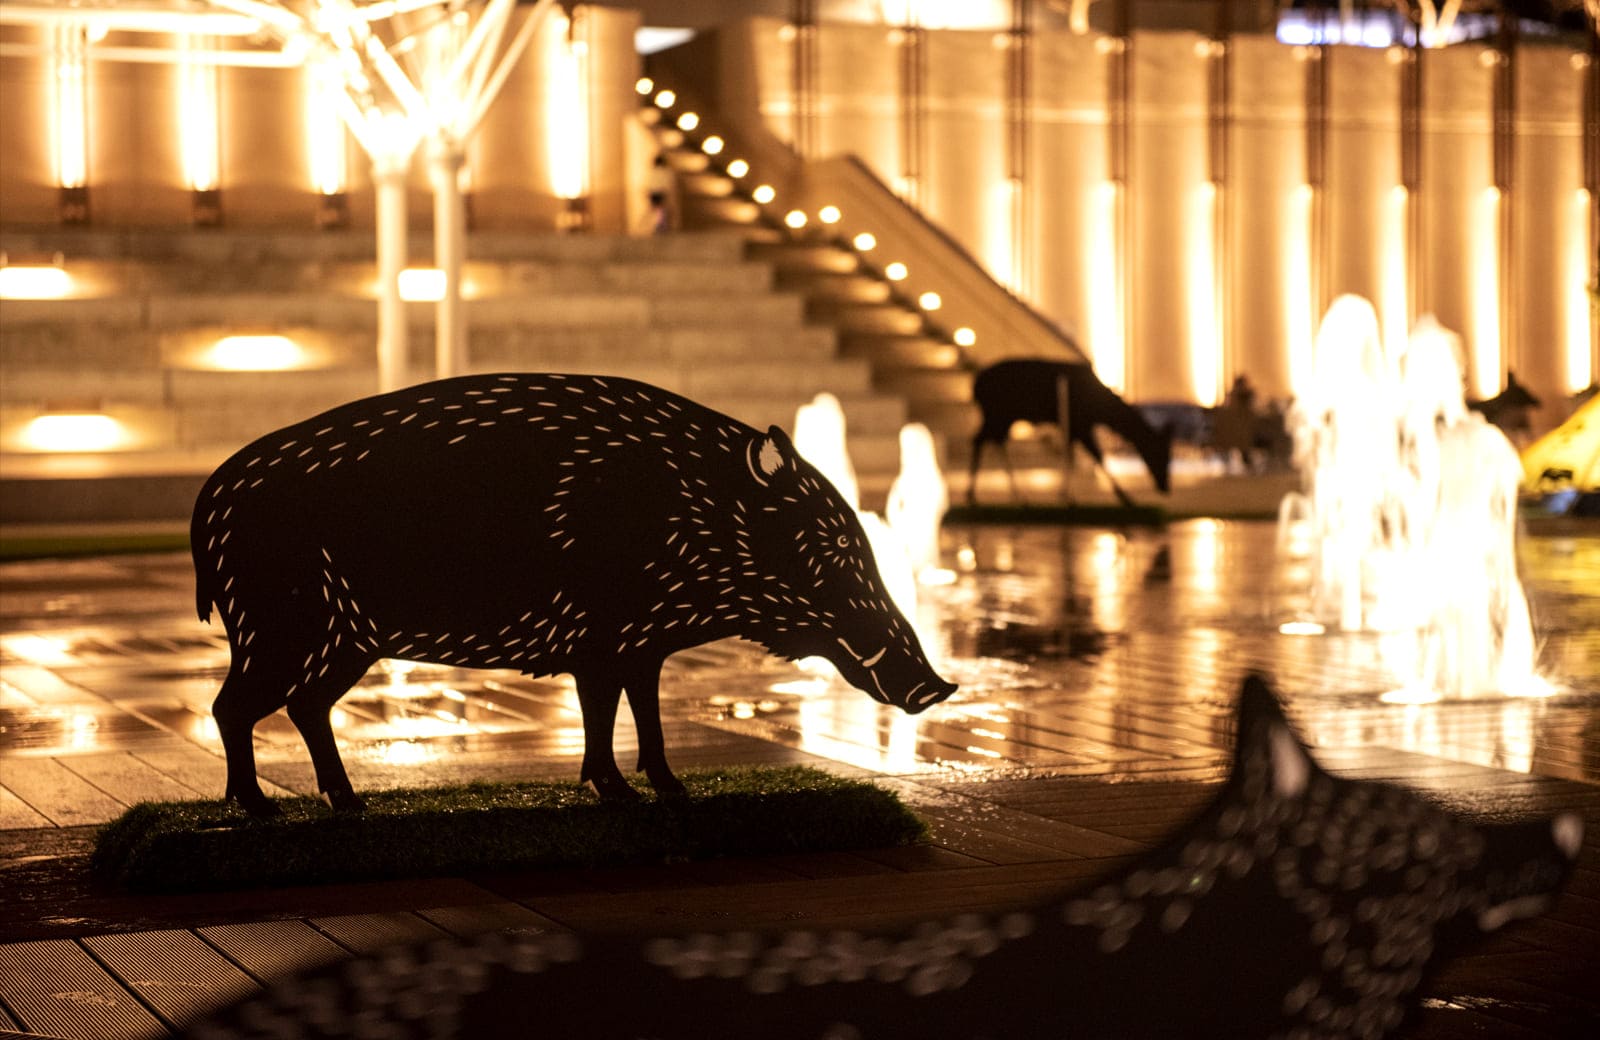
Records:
x=403, y=72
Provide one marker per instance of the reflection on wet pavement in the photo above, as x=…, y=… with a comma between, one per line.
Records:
x=1079, y=651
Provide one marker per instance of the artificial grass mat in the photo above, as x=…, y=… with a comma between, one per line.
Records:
x=421, y=832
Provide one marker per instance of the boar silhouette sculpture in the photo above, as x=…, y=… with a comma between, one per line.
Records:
x=1296, y=904
x=547, y=523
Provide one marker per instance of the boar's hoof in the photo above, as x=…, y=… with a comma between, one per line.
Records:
x=668, y=786
x=256, y=804
x=345, y=801
x=613, y=789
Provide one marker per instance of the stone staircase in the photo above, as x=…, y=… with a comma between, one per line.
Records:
x=697, y=312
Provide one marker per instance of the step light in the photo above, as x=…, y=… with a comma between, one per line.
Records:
x=795, y=219
x=644, y=86
x=74, y=431
x=964, y=337
x=738, y=168
x=895, y=272
x=764, y=194
x=712, y=145
x=688, y=121
x=930, y=301
x=864, y=242
x=421, y=284
x=829, y=214
x=256, y=353
x=666, y=99
x=34, y=282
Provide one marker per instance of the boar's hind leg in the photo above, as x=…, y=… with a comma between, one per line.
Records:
x=598, y=697
x=644, y=697
x=309, y=708
x=245, y=699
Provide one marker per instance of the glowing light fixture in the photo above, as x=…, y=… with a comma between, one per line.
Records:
x=34, y=282
x=70, y=103
x=1395, y=301
x=688, y=121
x=865, y=242
x=930, y=301
x=829, y=214
x=325, y=129
x=964, y=337
x=1205, y=349
x=795, y=219
x=1579, y=371
x=1301, y=628
x=1104, y=267
x=712, y=145
x=666, y=99
x=1299, y=313
x=74, y=431
x=738, y=168
x=421, y=284
x=197, y=117
x=268, y=353
x=1486, y=293
x=764, y=194
x=644, y=86
x=895, y=272
x=567, y=108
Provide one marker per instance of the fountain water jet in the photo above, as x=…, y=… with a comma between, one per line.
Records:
x=1409, y=512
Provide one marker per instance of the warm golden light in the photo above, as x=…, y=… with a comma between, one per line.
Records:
x=1108, y=345
x=1579, y=369
x=896, y=272
x=1299, y=309
x=1205, y=349
x=930, y=301
x=688, y=121
x=1486, y=293
x=644, y=86
x=795, y=219
x=666, y=99
x=1394, y=306
x=964, y=337
x=69, y=98
x=34, y=282
x=712, y=145
x=197, y=117
x=567, y=109
x=865, y=242
x=421, y=284
x=738, y=168
x=325, y=129
x=764, y=194
x=265, y=353
x=829, y=214
x=74, y=431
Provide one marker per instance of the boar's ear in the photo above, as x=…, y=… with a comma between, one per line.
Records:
x=766, y=455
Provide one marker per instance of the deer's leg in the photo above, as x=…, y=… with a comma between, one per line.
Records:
x=309, y=707
x=1092, y=446
x=598, y=696
x=978, y=441
x=644, y=698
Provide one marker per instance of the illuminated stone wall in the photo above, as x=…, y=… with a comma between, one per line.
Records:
x=137, y=135
x=1259, y=181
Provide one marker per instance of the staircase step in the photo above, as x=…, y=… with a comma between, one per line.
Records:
x=836, y=286
x=926, y=385
x=901, y=351
x=889, y=319
x=788, y=254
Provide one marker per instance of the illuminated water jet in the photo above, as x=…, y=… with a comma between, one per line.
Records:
x=1408, y=516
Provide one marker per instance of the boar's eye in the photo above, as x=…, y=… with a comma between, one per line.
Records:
x=843, y=541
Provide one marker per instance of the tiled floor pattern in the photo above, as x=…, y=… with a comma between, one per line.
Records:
x=1097, y=667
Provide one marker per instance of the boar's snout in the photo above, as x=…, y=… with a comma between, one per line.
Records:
x=905, y=681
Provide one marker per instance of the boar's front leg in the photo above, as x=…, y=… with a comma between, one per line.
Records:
x=598, y=696
x=644, y=697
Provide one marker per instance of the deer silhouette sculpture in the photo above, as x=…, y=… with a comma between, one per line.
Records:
x=1029, y=390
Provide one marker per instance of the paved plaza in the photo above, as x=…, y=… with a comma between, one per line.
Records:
x=1098, y=670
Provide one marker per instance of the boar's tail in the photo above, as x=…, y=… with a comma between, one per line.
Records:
x=204, y=577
